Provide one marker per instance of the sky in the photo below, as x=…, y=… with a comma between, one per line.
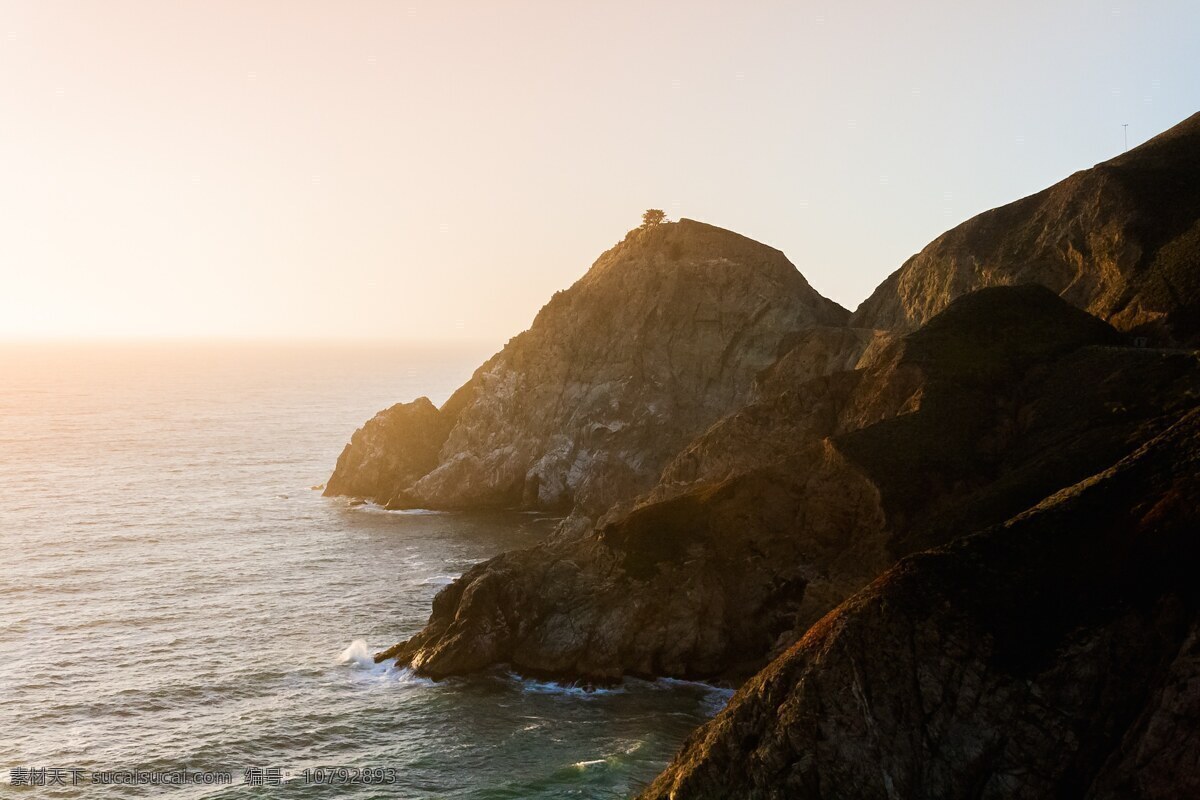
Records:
x=434, y=171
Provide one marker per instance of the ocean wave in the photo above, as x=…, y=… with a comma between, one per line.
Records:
x=374, y=508
x=614, y=758
x=406, y=677
x=714, y=703
x=714, y=698
x=533, y=686
x=681, y=683
x=359, y=657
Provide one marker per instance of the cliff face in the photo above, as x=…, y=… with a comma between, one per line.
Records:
x=787, y=506
x=395, y=449
x=1056, y=655
x=1119, y=240
x=958, y=530
x=663, y=336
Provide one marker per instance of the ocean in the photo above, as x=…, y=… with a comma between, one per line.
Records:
x=179, y=606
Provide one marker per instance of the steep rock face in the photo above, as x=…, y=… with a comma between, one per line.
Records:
x=1052, y=656
x=818, y=351
x=695, y=586
x=663, y=336
x=784, y=508
x=1120, y=240
x=395, y=448
x=797, y=400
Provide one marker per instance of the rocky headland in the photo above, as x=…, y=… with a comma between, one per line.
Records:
x=663, y=336
x=787, y=506
x=946, y=542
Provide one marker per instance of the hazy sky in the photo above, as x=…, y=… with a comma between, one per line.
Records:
x=435, y=170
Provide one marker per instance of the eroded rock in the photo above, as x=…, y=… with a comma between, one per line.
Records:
x=1052, y=656
x=787, y=506
x=663, y=336
x=1120, y=240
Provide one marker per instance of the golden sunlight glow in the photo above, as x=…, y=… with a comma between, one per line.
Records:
x=436, y=170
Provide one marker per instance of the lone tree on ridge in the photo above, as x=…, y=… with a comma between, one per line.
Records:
x=652, y=217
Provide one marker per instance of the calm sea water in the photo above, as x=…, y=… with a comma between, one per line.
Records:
x=175, y=596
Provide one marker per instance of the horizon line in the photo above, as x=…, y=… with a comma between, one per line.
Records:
x=205, y=339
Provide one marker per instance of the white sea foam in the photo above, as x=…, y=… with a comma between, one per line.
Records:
x=571, y=690
x=676, y=683
x=374, y=508
x=357, y=655
x=628, y=749
x=716, y=700
x=715, y=697
x=407, y=677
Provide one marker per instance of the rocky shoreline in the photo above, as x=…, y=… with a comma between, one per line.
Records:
x=949, y=535
x=708, y=577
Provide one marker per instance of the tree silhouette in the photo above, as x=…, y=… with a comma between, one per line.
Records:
x=652, y=217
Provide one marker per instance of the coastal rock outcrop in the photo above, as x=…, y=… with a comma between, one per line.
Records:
x=1119, y=240
x=789, y=505
x=957, y=533
x=663, y=336
x=1055, y=655
x=392, y=451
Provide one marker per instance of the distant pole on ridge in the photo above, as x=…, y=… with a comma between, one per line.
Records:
x=1126, y=127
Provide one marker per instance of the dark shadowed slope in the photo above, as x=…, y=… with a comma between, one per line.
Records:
x=787, y=506
x=1057, y=655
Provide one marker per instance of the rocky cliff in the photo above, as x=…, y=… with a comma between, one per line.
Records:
x=663, y=336
x=1119, y=240
x=1040, y=653
x=956, y=534
x=789, y=505
x=1055, y=655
